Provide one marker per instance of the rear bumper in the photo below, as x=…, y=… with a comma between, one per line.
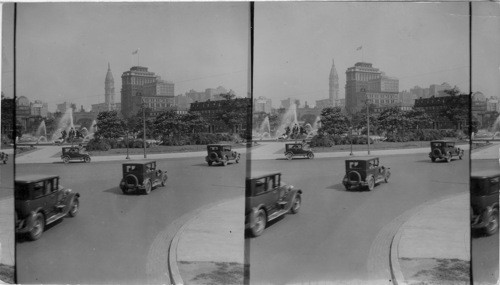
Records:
x=124, y=185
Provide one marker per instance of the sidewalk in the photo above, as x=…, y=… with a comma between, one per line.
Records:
x=7, y=242
x=490, y=152
x=209, y=248
x=433, y=246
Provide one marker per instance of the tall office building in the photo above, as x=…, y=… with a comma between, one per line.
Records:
x=334, y=86
x=132, y=82
x=109, y=89
x=357, y=81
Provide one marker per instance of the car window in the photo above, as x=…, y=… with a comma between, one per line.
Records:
x=494, y=185
x=55, y=184
x=436, y=144
x=450, y=144
x=130, y=168
x=354, y=164
x=214, y=148
x=153, y=166
x=260, y=186
x=38, y=189
x=375, y=162
x=270, y=183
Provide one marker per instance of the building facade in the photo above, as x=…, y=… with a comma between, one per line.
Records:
x=132, y=82
x=39, y=108
x=438, y=90
x=209, y=109
x=333, y=84
x=433, y=107
x=262, y=104
x=357, y=81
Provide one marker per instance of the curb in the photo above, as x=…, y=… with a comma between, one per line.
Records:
x=173, y=269
x=396, y=272
x=395, y=267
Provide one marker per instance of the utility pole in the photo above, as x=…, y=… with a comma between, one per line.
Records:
x=368, y=124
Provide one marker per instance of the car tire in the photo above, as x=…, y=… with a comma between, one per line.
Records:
x=65, y=159
x=87, y=159
x=448, y=157
x=387, y=175
x=289, y=155
x=310, y=155
x=260, y=224
x=164, y=178
x=237, y=159
x=492, y=226
x=371, y=183
x=147, y=187
x=74, y=206
x=224, y=161
x=296, y=204
x=38, y=227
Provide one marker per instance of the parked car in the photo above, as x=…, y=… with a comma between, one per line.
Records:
x=74, y=153
x=444, y=149
x=364, y=172
x=142, y=175
x=221, y=153
x=4, y=157
x=484, y=190
x=40, y=200
x=298, y=149
x=267, y=198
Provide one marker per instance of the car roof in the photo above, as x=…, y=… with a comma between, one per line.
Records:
x=141, y=162
x=357, y=158
x=485, y=173
x=28, y=178
x=260, y=174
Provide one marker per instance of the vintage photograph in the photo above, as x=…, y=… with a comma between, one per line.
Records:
x=485, y=154
x=131, y=123
x=361, y=114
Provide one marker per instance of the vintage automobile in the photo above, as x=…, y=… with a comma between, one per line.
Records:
x=142, y=175
x=484, y=190
x=298, y=149
x=221, y=153
x=267, y=198
x=444, y=149
x=74, y=153
x=364, y=172
x=40, y=200
x=4, y=157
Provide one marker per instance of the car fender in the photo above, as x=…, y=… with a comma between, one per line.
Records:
x=290, y=197
x=254, y=212
x=487, y=213
x=369, y=176
x=67, y=200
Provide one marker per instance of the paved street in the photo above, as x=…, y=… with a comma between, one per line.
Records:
x=120, y=238
x=485, y=249
x=345, y=236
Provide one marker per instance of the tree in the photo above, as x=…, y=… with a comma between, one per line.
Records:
x=359, y=119
x=167, y=125
x=193, y=123
x=333, y=121
x=109, y=125
x=393, y=121
x=457, y=108
x=418, y=119
x=233, y=112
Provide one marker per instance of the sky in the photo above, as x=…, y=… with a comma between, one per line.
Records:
x=63, y=49
x=418, y=43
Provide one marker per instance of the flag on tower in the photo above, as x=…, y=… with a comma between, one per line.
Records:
x=360, y=47
x=135, y=51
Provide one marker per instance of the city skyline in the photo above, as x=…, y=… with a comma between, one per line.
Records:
x=63, y=49
x=417, y=43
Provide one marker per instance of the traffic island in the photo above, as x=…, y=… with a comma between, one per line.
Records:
x=209, y=248
x=433, y=245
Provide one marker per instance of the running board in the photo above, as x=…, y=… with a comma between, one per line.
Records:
x=277, y=214
x=55, y=218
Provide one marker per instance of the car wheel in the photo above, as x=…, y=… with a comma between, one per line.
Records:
x=448, y=157
x=492, y=226
x=38, y=227
x=296, y=204
x=87, y=159
x=147, y=187
x=387, y=175
x=237, y=159
x=310, y=155
x=224, y=161
x=65, y=159
x=74, y=206
x=260, y=223
x=164, y=179
x=289, y=155
x=371, y=183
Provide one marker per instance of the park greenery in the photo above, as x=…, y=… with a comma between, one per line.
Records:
x=169, y=127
